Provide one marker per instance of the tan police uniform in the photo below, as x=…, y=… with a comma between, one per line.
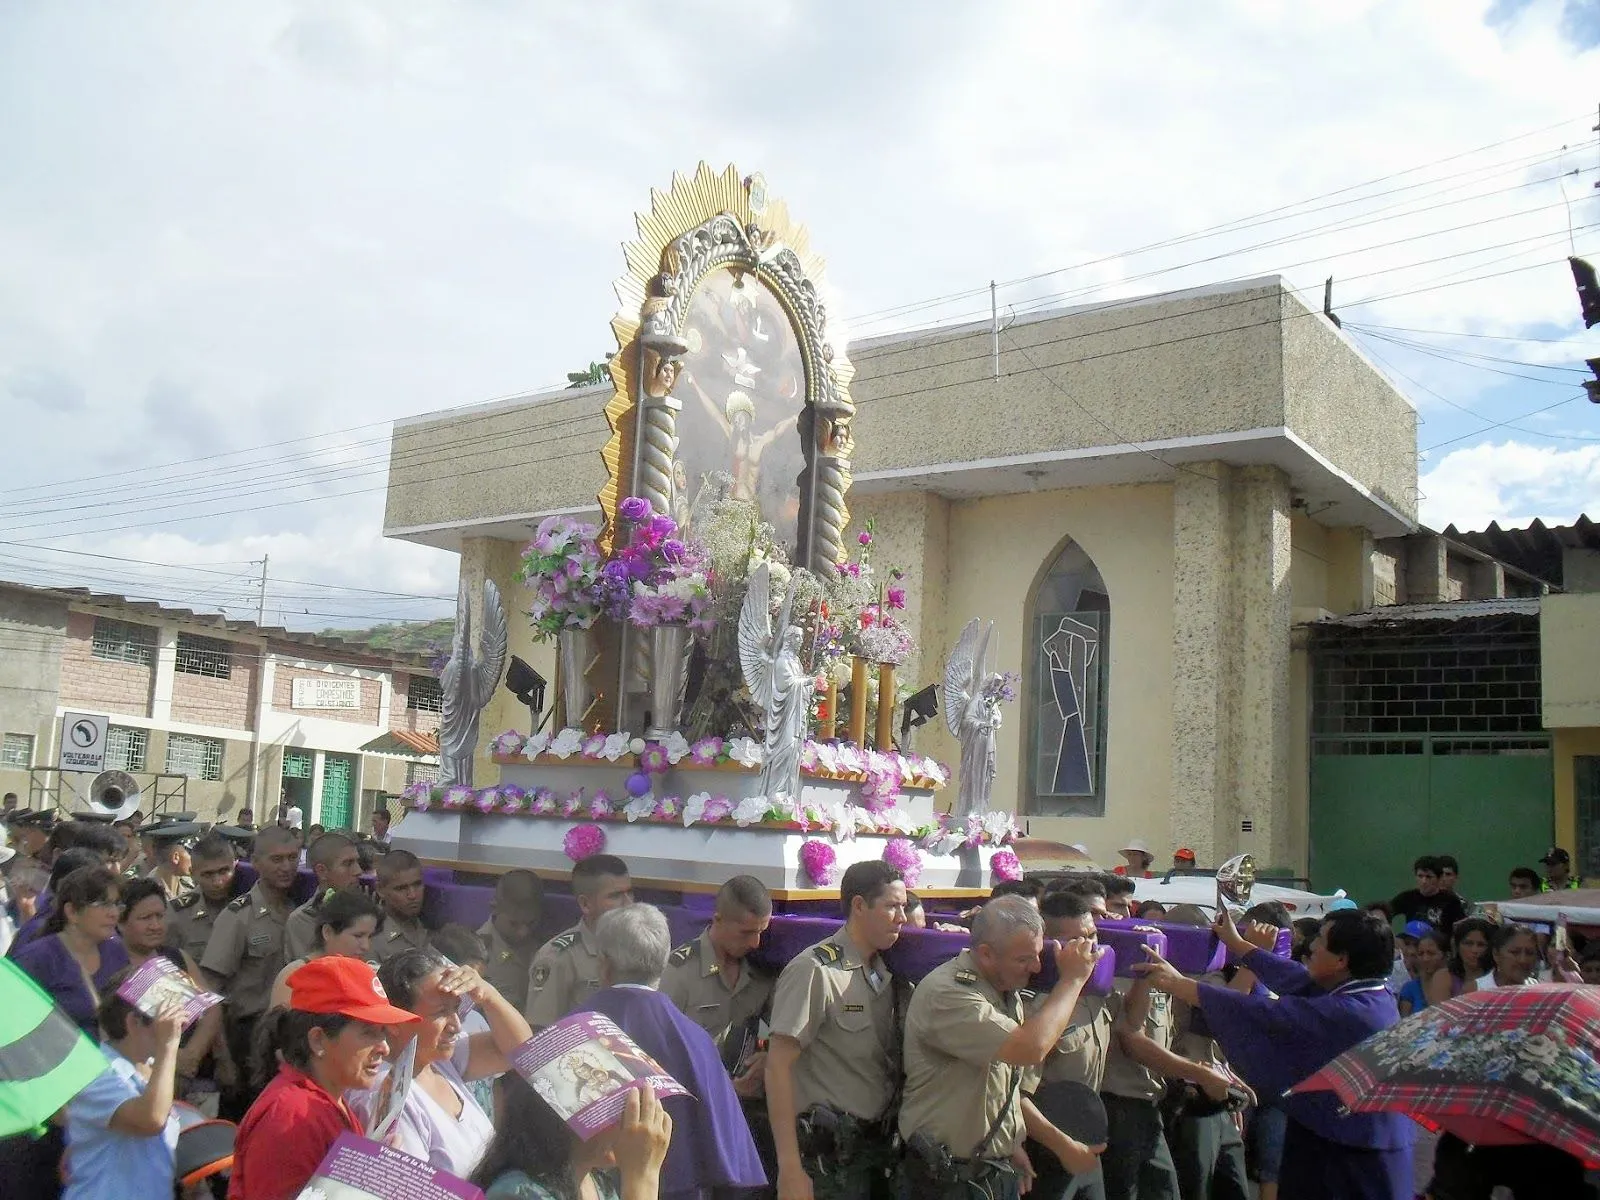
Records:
x=957, y=1093
x=564, y=973
x=507, y=967
x=696, y=983
x=246, y=951
x=300, y=930
x=396, y=936
x=1137, y=1160
x=190, y=920
x=841, y=1011
x=1080, y=1054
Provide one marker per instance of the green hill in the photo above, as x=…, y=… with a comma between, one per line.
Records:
x=409, y=637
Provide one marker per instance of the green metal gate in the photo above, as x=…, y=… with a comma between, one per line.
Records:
x=1379, y=804
x=338, y=787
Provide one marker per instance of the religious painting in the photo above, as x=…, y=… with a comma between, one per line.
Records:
x=742, y=386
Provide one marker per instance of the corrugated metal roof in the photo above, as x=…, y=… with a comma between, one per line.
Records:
x=1536, y=549
x=340, y=646
x=1449, y=610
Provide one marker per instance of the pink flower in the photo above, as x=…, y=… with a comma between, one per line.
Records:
x=544, y=801
x=582, y=841
x=864, y=538
x=1005, y=866
x=571, y=806
x=718, y=808
x=654, y=759
x=706, y=750
x=600, y=806
x=905, y=858
x=457, y=797
x=896, y=597
x=818, y=861
x=594, y=745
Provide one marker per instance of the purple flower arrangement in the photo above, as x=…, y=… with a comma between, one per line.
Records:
x=1005, y=866
x=583, y=841
x=903, y=855
x=819, y=862
x=562, y=566
x=657, y=576
x=1000, y=689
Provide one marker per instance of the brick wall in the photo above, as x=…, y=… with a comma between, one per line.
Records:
x=283, y=696
x=409, y=719
x=227, y=703
x=98, y=685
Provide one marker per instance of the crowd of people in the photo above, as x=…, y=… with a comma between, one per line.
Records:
x=832, y=1078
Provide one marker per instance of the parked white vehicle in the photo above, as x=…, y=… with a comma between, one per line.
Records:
x=1201, y=890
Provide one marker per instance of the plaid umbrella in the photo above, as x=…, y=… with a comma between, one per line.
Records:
x=1498, y=1067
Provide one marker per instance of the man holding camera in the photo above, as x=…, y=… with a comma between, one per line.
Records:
x=969, y=1049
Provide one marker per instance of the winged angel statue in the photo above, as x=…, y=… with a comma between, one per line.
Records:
x=973, y=714
x=468, y=681
x=778, y=681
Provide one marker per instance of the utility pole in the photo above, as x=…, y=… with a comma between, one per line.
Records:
x=251, y=781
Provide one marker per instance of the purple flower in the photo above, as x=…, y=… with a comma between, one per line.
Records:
x=1005, y=865
x=706, y=750
x=864, y=538
x=718, y=808
x=594, y=745
x=819, y=862
x=662, y=527
x=905, y=858
x=634, y=508
x=654, y=759
x=672, y=550
x=582, y=841
x=896, y=597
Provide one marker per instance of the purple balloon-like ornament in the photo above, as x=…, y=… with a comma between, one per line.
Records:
x=638, y=783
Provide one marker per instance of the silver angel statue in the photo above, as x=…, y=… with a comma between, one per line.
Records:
x=467, y=683
x=778, y=681
x=972, y=712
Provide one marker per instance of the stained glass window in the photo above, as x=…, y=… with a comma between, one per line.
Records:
x=1066, y=694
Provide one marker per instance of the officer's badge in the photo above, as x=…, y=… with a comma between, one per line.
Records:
x=541, y=976
x=967, y=977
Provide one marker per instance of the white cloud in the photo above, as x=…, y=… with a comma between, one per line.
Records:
x=1512, y=483
x=260, y=222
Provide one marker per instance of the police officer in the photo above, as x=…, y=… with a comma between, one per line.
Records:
x=336, y=863
x=511, y=934
x=30, y=833
x=714, y=984
x=1139, y=1161
x=1079, y=1055
x=192, y=916
x=834, y=1056
x=566, y=971
x=968, y=1048
x=245, y=952
x=401, y=893
x=173, y=841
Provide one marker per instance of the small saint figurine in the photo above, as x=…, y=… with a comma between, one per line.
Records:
x=972, y=711
x=778, y=681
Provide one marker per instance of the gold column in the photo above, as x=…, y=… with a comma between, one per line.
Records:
x=885, y=731
x=858, y=700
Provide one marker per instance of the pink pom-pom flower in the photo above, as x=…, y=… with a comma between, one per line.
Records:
x=583, y=841
x=1005, y=866
x=819, y=863
x=904, y=857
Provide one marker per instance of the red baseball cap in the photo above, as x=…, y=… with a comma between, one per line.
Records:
x=1184, y=853
x=347, y=986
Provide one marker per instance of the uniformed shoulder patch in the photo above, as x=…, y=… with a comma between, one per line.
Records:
x=1028, y=995
x=827, y=954
x=541, y=975
x=396, y=933
x=239, y=902
x=187, y=900
x=965, y=976
x=684, y=953
x=563, y=941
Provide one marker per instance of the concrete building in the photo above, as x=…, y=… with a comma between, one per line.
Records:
x=209, y=714
x=1176, y=482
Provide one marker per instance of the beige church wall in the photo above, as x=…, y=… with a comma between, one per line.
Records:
x=1344, y=408
x=497, y=559
x=1330, y=569
x=999, y=549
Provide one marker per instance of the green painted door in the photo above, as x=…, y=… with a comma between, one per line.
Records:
x=338, y=787
x=1374, y=814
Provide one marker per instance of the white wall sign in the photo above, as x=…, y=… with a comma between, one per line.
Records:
x=83, y=742
x=327, y=692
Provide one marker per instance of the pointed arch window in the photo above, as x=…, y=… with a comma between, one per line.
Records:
x=1066, y=697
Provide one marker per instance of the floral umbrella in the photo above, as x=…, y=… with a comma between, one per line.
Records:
x=1502, y=1067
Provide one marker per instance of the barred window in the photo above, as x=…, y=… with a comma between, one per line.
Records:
x=17, y=750
x=118, y=641
x=422, y=772
x=204, y=656
x=126, y=748
x=424, y=694
x=200, y=757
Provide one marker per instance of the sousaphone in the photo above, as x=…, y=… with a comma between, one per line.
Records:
x=114, y=793
x=1235, y=880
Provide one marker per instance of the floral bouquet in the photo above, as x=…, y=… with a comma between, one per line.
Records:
x=657, y=577
x=563, y=567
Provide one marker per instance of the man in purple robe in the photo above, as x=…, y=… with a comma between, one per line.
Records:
x=1313, y=1014
x=712, y=1156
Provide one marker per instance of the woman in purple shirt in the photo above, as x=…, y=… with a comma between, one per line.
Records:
x=80, y=950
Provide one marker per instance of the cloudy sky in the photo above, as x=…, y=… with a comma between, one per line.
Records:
x=241, y=238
